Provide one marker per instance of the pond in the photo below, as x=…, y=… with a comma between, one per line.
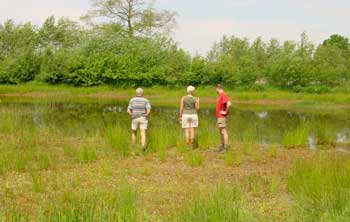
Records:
x=263, y=125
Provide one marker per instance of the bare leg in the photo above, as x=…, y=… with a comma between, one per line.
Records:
x=133, y=137
x=192, y=135
x=143, y=138
x=188, y=136
x=224, y=137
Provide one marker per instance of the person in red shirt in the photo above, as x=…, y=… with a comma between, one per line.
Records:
x=222, y=110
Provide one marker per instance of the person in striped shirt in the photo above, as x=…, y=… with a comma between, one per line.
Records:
x=139, y=109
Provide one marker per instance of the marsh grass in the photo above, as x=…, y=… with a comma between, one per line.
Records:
x=273, y=151
x=118, y=138
x=225, y=204
x=87, y=154
x=321, y=187
x=275, y=185
x=250, y=148
x=297, y=137
x=256, y=184
x=118, y=206
x=38, y=184
x=233, y=158
x=160, y=141
x=207, y=135
x=14, y=214
x=325, y=135
x=194, y=159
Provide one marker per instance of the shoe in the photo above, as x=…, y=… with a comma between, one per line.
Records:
x=222, y=149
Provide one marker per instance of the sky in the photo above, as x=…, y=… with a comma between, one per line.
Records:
x=200, y=23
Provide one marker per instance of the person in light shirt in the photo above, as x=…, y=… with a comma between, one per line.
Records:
x=139, y=109
x=188, y=115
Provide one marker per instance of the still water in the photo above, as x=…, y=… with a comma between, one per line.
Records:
x=262, y=125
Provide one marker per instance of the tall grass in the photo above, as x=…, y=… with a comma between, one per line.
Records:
x=118, y=138
x=321, y=187
x=194, y=159
x=98, y=207
x=297, y=137
x=225, y=204
x=14, y=214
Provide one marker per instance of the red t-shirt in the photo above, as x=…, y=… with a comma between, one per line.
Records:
x=221, y=105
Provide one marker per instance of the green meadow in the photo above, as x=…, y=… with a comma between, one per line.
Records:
x=65, y=156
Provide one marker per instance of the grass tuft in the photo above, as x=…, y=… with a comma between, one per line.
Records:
x=194, y=159
x=224, y=205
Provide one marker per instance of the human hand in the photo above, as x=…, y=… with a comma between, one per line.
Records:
x=223, y=113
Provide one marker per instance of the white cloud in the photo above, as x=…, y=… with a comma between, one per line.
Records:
x=199, y=35
x=202, y=22
x=36, y=11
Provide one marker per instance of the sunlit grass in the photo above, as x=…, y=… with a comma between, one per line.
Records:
x=194, y=159
x=224, y=204
x=297, y=137
x=321, y=187
x=57, y=153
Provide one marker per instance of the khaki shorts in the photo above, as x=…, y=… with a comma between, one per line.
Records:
x=189, y=121
x=222, y=122
x=139, y=123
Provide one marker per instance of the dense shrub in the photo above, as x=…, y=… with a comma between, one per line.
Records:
x=63, y=52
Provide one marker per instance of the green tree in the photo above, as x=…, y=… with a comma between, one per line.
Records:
x=133, y=16
x=61, y=34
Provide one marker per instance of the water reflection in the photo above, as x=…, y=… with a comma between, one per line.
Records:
x=262, y=115
x=312, y=142
x=248, y=124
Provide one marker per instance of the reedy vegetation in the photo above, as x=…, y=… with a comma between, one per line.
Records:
x=42, y=153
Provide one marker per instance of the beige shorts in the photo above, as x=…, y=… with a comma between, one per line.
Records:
x=189, y=121
x=222, y=122
x=139, y=123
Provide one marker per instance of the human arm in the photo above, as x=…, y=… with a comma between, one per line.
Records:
x=148, y=113
x=181, y=108
x=148, y=109
x=129, y=110
x=227, y=109
x=226, y=104
x=197, y=104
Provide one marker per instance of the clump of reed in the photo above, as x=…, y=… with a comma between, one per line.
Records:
x=321, y=187
x=224, y=204
x=297, y=137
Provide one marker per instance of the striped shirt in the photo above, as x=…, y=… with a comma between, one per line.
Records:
x=138, y=106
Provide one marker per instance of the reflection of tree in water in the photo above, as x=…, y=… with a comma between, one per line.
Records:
x=249, y=124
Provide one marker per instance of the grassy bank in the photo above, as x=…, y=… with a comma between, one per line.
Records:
x=169, y=96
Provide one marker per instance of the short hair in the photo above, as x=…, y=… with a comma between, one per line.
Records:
x=191, y=89
x=219, y=86
x=139, y=91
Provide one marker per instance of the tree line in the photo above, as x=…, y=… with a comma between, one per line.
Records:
x=127, y=43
